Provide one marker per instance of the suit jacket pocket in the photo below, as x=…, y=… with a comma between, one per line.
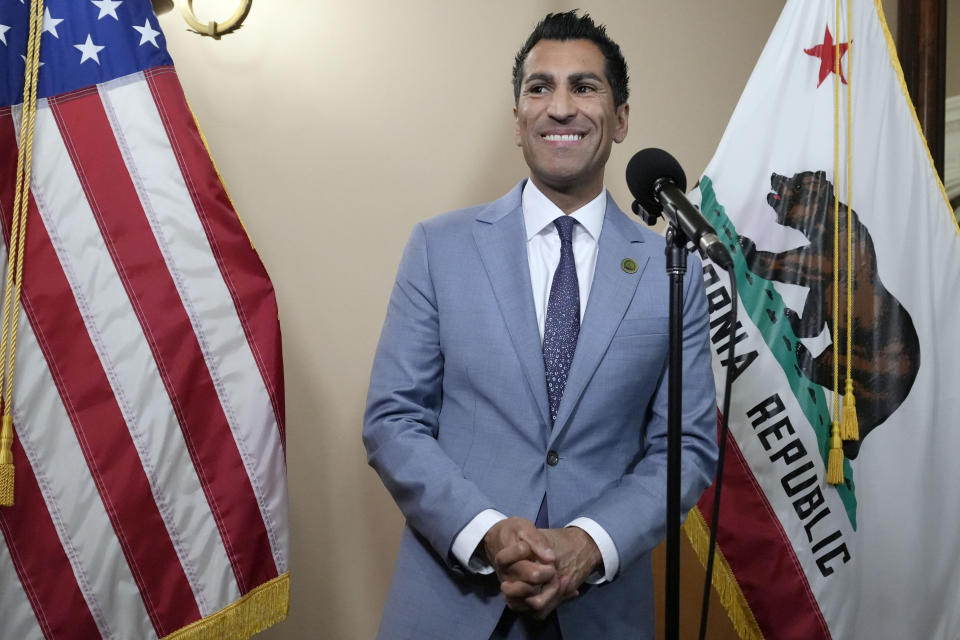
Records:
x=643, y=326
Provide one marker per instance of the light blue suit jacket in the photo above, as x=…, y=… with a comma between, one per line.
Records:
x=457, y=417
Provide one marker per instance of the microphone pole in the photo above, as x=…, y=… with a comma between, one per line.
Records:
x=676, y=254
x=657, y=182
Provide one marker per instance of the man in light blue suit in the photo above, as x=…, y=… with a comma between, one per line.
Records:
x=518, y=401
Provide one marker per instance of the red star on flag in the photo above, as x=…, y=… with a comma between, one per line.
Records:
x=827, y=52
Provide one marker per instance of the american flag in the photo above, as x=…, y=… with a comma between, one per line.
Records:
x=148, y=392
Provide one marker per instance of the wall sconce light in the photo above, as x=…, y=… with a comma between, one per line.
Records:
x=213, y=28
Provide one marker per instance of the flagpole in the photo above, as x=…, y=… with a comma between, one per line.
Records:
x=922, y=49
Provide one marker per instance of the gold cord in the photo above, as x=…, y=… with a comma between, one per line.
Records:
x=835, y=458
x=18, y=227
x=849, y=428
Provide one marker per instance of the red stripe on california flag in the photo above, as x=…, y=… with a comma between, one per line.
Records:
x=129, y=238
x=42, y=566
x=98, y=422
x=245, y=276
x=749, y=527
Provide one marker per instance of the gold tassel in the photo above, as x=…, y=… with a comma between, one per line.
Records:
x=849, y=427
x=6, y=462
x=835, y=459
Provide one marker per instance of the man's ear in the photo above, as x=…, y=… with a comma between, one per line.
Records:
x=516, y=128
x=623, y=116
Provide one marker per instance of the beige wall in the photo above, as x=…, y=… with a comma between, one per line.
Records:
x=336, y=126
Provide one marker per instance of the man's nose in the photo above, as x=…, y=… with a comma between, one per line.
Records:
x=562, y=106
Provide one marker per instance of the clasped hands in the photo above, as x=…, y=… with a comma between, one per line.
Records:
x=539, y=569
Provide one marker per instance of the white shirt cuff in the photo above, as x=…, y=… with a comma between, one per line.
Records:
x=608, y=551
x=470, y=537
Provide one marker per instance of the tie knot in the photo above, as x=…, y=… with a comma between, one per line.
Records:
x=564, y=225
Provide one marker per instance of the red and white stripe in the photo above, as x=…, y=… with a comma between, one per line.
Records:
x=21, y=623
x=148, y=393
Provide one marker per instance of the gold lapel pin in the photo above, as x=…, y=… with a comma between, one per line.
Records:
x=628, y=265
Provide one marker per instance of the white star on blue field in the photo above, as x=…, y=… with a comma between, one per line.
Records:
x=83, y=43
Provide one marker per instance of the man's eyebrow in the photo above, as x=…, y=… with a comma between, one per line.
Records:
x=539, y=76
x=573, y=78
x=583, y=75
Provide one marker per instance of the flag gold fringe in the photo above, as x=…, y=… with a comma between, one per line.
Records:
x=263, y=607
x=725, y=583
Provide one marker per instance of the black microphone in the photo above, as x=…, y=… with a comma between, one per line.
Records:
x=657, y=181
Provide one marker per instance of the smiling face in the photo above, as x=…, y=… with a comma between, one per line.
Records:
x=566, y=121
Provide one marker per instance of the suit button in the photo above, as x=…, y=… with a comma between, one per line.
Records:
x=552, y=458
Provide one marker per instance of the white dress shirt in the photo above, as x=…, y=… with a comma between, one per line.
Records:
x=543, y=256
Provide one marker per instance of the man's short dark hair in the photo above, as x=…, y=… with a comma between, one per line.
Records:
x=570, y=26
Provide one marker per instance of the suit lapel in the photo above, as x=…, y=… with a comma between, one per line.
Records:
x=501, y=240
x=610, y=295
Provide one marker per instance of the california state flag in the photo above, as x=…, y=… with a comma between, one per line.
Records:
x=848, y=274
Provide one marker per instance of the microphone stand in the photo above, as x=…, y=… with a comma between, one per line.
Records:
x=657, y=182
x=676, y=254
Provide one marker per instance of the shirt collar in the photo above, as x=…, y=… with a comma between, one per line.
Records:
x=539, y=211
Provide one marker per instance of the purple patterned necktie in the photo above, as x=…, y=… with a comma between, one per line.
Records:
x=562, y=323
